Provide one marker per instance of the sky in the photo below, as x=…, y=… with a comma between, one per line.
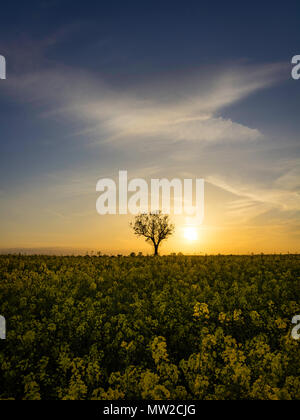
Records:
x=172, y=89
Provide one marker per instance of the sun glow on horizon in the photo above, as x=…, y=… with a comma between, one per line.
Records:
x=190, y=233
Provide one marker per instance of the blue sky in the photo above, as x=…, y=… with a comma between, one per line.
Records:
x=199, y=89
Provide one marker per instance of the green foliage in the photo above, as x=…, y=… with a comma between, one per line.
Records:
x=149, y=328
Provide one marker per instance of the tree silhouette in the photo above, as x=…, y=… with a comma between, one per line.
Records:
x=154, y=226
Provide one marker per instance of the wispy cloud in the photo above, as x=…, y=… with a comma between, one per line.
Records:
x=191, y=113
x=254, y=198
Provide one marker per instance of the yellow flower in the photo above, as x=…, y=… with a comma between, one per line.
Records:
x=222, y=317
x=237, y=315
x=201, y=310
x=281, y=324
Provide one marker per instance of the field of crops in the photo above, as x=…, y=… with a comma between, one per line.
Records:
x=215, y=327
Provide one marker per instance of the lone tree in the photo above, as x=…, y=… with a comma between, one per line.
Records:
x=155, y=227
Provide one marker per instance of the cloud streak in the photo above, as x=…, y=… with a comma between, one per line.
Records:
x=189, y=112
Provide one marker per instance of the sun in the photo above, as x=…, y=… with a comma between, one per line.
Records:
x=190, y=233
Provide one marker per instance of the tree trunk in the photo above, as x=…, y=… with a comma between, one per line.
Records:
x=155, y=249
